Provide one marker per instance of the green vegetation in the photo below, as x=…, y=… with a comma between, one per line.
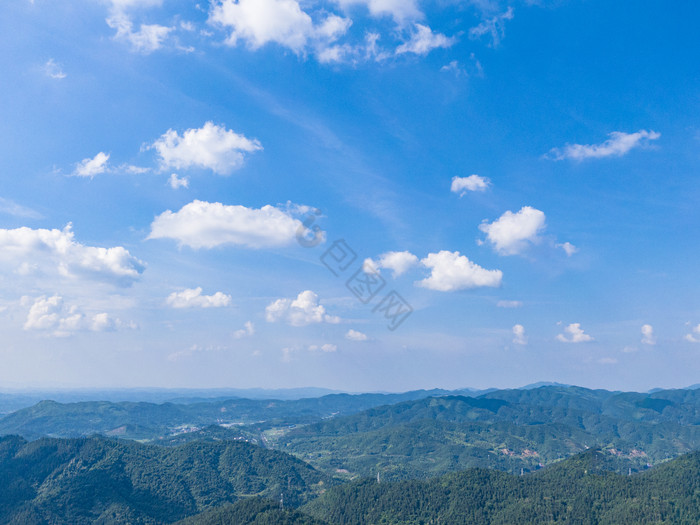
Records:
x=252, y=511
x=97, y=480
x=577, y=490
x=507, y=430
x=440, y=459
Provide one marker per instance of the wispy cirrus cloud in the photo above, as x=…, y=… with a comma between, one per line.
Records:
x=618, y=145
x=423, y=40
x=10, y=207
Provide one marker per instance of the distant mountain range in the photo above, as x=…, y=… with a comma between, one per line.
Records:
x=403, y=436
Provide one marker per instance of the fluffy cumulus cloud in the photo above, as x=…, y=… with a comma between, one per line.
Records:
x=56, y=253
x=648, y=337
x=424, y=40
x=193, y=298
x=451, y=271
x=519, y=337
x=617, y=145
x=92, y=166
x=513, y=232
x=462, y=185
x=398, y=262
x=694, y=335
x=52, y=316
x=210, y=147
x=354, y=335
x=284, y=22
x=302, y=311
x=247, y=331
x=574, y=334
x=202, y=224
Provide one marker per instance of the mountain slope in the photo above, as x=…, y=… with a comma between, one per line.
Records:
x=577, y=490
x=96, y=480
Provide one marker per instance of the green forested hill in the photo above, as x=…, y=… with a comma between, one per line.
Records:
x=252, y=511
x=97, y=480
x=577, y=490
x=507, y=430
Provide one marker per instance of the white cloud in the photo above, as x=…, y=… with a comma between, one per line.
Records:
x=302, y=311
x=123, y=5
x=493, y=26
x=574, y=334
x=400, y=10
x=607, y=361
x=694, y=336
x=50, y=314
x=259, y=22
x=247, y=331
x=453, y=67
x=462, y=185
x=370, y=266
x=54, y=70
x=354, y=335
x=398, y=262
x=129, y=168
x=193, y=298
x=513, y=232
x=193, y=350
x=451, y=271
x=92, y=166
x=178, y=182
x=423, y=41
x=148, y=38
x=10, y=207
x=328, y=347
x=569, y=248
x=509, y=304
x=617, y=145
x=648, y=337
x=212, y=147
x=55, y=252
x=202, y=224
x=519, y=337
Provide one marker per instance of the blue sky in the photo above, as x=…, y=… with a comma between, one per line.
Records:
x=523, y=174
